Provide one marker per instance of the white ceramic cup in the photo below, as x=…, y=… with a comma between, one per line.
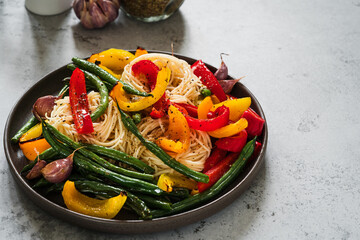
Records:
x=48, y=7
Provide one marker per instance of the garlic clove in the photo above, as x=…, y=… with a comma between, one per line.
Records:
x=97, y=17
x=35, y=172
x=58, y=170
x=44, y=106
x=109, y=9
x=79, y=7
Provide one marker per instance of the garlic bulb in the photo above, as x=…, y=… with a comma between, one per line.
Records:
x=96, y=13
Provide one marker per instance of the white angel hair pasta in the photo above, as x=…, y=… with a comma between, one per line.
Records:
x=184, y=87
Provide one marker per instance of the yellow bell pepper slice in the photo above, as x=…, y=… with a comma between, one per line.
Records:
x=194, y=192
x=133, y=104
x=113, y=59
x=204, y=107
x=32, y=133
x=166, y=182
x=178, y=139
x=230, y=130
x=236, y=106
x=78, y=202
x=31, y=144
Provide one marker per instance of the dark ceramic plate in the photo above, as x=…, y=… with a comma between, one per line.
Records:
x=125, y=222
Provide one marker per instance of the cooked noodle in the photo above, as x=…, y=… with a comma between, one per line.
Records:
x=184, y=87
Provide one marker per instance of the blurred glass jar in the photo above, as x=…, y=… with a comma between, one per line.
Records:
x=150, y=10
x=48, y=7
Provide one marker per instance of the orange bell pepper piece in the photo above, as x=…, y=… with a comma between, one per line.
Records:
x=32, y=144
x=204, y=107
x=178, y=139
x=32, y=148
x=140, y=51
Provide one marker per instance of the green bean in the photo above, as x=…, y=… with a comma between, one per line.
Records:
x=106, y=76
x=48, y=186
x=97, y=188
x=55, y=187
x=42, y=182
x=120, y=156
x=29, y=124
x=108, y=191
x=82, y=162
x=175, y=195
x=62, y=149
x=161, y=154
x=89, y=85
x=84, y=175
x=124, y=181
x=29, y=166
x=130, y=206
x=219, y=186
x=102, y=162
x=155, y=203
x=76, y=176
x=104, y=94
x=178, y=193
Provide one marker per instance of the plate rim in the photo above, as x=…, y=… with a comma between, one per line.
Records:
x=128, y=226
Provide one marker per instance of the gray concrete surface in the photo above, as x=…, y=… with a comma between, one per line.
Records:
x=300, y=58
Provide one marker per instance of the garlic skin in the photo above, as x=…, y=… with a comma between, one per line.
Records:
x=96, y=13
x=222, y=72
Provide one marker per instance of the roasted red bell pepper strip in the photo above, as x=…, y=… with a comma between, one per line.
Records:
x=79, y=103
x=218, y=171
x=160, y=107
x=155, y=114
x=210, y=115
x=181, y=109
x=208, y=79
x=210, y=124
x=216, y=155
x=233, y=144
x=255, y=122
x=256, y=152
x=192, y=110
x=148, y=69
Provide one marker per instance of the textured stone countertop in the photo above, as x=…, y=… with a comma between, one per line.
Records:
x=301, y=59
